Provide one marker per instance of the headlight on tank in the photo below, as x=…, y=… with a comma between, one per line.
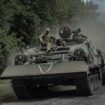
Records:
x=20, y=59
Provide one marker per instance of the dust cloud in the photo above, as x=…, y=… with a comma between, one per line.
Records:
x=95, y=31
x=94, y=27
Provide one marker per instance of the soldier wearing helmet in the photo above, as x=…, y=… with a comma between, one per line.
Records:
x=65, y=32
x=46, y=39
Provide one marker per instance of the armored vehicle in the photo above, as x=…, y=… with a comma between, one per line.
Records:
x=76, y=63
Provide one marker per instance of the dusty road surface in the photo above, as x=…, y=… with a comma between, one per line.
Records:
x=70, y=97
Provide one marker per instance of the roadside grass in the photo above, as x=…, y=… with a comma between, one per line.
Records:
x=6, y=92
x=4, y=82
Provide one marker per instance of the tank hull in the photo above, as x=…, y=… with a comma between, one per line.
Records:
x=39, y=70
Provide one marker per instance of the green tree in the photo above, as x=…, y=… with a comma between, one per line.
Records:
x=25, y=18
x=8, y=45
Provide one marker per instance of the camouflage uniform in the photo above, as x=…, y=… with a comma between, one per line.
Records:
x=46, y=40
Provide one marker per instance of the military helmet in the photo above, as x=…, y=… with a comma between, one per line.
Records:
x=65, y=32
x=47, y=29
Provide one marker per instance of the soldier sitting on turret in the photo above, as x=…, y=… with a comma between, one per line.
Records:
x=77, y=36
x=76, y=32
x=46, y=40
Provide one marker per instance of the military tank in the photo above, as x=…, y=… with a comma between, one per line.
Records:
x=76, y=63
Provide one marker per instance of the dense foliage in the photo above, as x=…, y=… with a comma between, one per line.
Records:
x=8, y=44
x=22, y=20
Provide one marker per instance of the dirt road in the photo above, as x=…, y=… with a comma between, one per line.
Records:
x=70, y=97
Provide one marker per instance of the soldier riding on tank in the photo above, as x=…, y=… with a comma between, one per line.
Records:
x=77, y=36
x=46, y=40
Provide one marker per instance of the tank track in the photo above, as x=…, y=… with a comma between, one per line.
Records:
x=31, y=87
x=21, y=90
x=27, y=89
x=89, y=86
